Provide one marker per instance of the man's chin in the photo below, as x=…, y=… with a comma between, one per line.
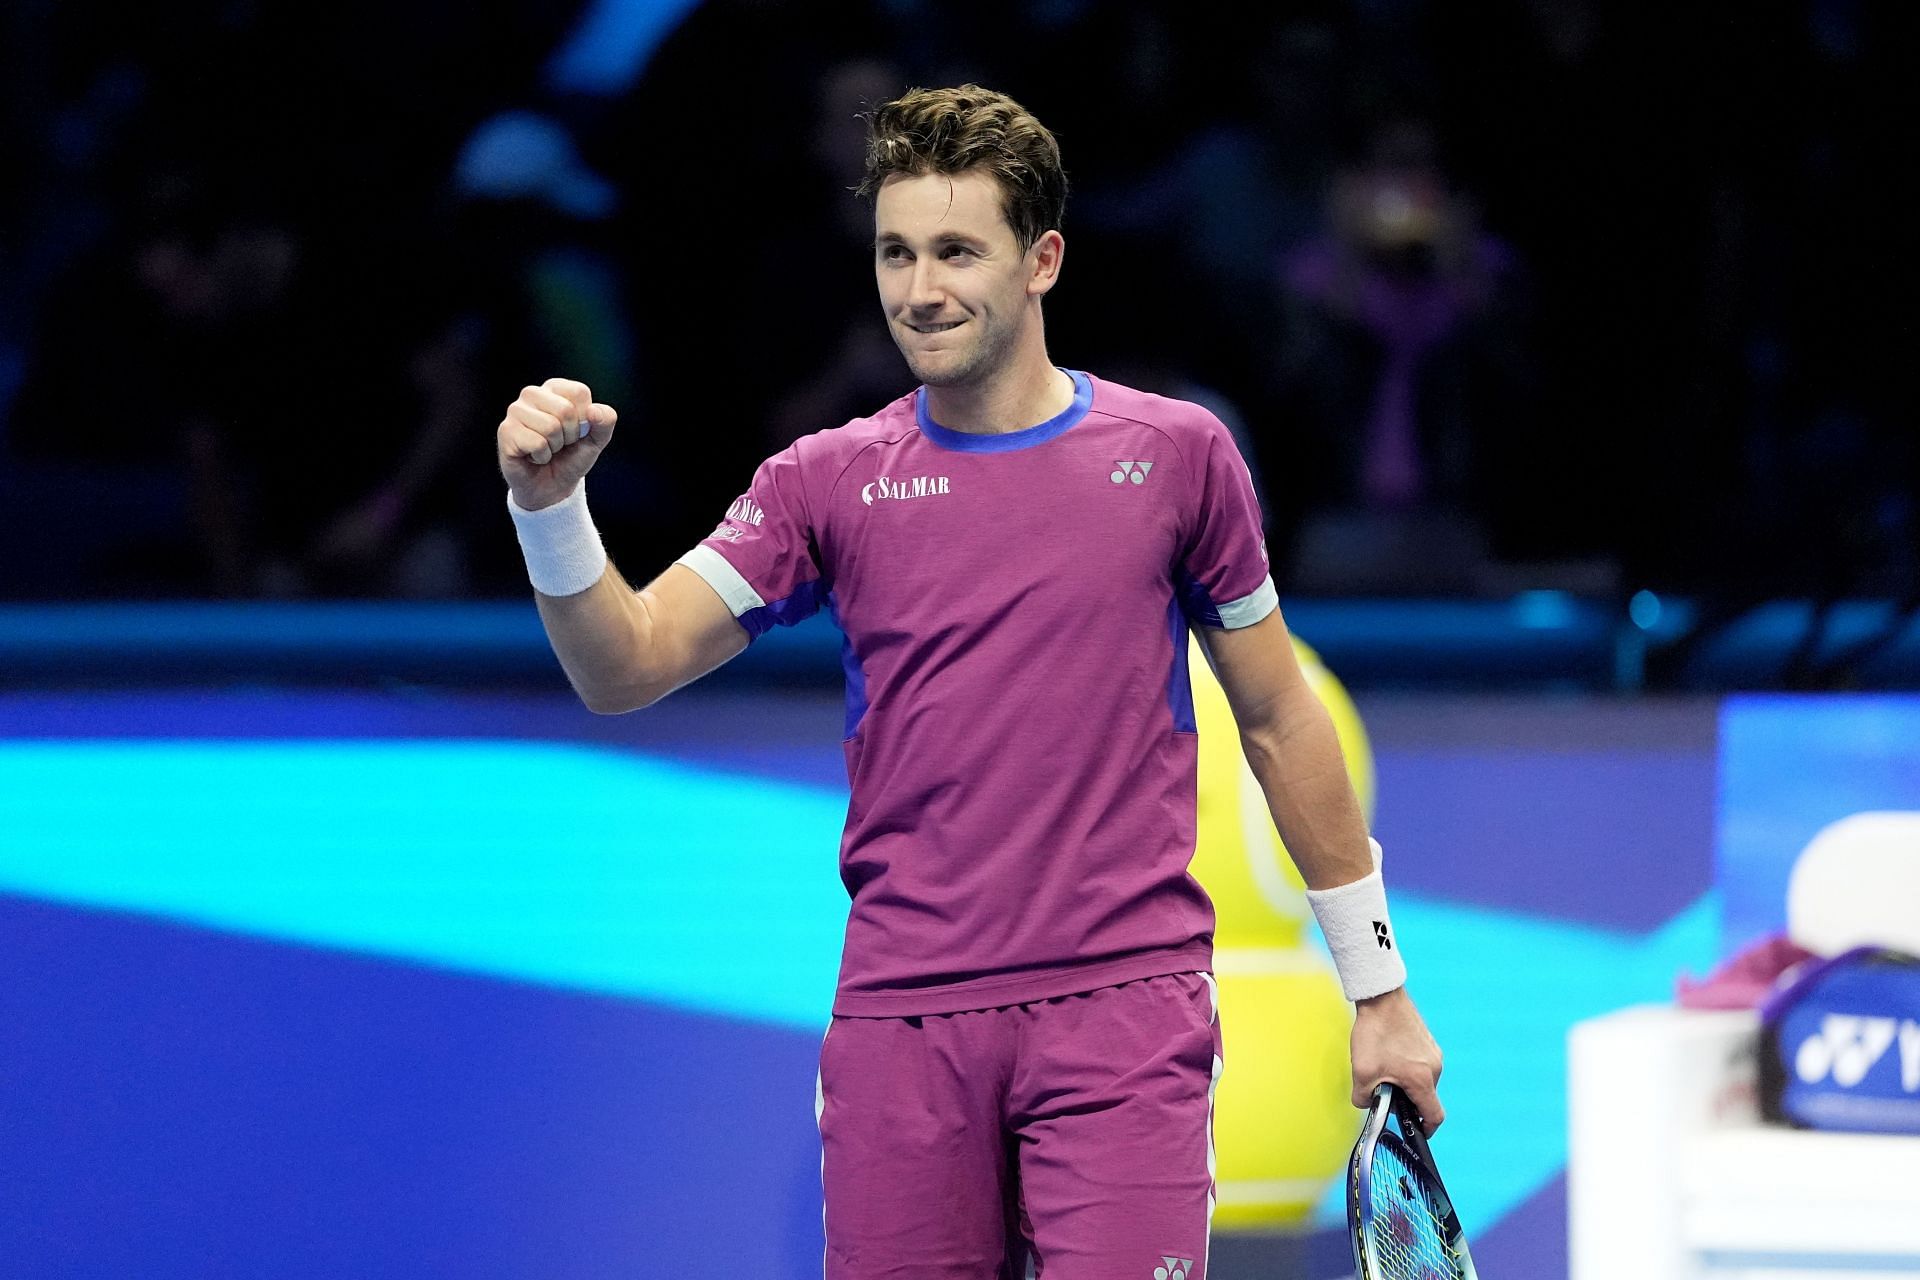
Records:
x=940, y=373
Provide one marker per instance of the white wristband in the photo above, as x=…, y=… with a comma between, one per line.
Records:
x=563, y=551
x=1366, y=951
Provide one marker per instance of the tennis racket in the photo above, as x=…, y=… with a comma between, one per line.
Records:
x=1401, y=1219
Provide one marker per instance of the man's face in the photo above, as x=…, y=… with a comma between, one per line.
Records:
x=953, y=281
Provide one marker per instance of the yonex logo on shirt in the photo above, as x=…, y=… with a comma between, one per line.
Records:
x=743, y=508
x=917, y=487
x=1172, y=1268
x=1135, y=471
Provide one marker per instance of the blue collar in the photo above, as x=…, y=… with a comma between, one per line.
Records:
x=1007, y=441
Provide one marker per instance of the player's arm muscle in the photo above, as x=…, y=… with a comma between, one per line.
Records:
x=1290, y=743
x=623, y=649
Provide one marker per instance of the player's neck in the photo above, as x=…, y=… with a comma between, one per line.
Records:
x=1022, y=395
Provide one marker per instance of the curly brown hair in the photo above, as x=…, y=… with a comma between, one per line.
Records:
x=953, y=131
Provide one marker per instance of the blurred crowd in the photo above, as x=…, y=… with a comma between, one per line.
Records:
x=1531, y=293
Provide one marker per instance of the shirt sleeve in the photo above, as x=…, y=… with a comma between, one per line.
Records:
x=1223, y=577
x=764, y=558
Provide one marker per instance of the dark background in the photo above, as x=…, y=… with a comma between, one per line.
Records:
x=269, y=274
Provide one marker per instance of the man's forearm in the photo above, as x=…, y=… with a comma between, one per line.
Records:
x=1295, y=756
x=600, y=636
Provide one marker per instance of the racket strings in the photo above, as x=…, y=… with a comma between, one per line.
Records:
x=1408, y=1232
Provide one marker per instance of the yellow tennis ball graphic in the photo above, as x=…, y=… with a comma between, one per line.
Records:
x=1283, y=1118
x=1355, y=749
x=1258, y=897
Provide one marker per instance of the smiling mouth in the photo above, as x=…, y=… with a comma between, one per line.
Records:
x=935, y=328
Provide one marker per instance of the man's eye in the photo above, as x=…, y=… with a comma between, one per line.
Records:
x=957, y=251
x=893, y=253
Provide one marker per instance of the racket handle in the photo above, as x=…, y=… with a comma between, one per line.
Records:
x=1409, y=1117
x=1416, y=1136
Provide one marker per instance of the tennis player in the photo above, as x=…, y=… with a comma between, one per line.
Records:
x=1017, y=1080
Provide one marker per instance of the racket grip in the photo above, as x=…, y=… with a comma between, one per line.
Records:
x=1416, y=1136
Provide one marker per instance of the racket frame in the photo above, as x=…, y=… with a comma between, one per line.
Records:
x=1391, y=1102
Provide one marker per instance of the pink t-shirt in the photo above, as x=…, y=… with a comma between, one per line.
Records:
x=1019, y=735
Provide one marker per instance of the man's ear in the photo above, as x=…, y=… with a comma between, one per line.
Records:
x=1045, y=259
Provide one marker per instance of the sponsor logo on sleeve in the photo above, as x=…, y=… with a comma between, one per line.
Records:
x=745, y=511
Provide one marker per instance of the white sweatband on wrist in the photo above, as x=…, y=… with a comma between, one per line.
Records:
x=1366, y=951
x=563, y=551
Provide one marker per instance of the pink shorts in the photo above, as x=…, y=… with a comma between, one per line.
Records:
x=1070, y=1139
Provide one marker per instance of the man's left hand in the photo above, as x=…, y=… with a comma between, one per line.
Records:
x=1391, y=1042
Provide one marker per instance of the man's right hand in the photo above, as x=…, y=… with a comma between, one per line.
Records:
x=550, y=439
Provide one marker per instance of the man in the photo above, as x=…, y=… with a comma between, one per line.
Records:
x=1018, y=1076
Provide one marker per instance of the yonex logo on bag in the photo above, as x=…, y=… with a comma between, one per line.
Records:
x=1848, y=1047
x=1172, y=1268
x=1135, y=471
x=1380, y=935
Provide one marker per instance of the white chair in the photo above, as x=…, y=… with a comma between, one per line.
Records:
x=1671, y=1174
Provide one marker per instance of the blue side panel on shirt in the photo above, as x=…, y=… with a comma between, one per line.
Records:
x=856, y=677
x=1179, y=679
x=801, y=604
x=1193, y=597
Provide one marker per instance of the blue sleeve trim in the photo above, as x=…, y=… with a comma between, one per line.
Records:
x=1203, y=611
x=799, y=605
x=1191, y=595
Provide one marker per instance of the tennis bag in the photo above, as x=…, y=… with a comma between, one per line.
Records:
x=1840, y=1044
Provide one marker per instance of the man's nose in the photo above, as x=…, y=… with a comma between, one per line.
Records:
x=924, y=291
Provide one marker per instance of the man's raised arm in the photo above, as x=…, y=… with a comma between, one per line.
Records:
x=620, y=648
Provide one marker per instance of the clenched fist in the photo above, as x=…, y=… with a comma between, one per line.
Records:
x=550, y=438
